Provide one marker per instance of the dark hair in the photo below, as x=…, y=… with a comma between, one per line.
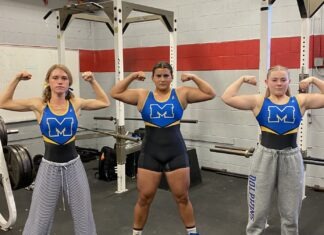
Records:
x=162, y=65
x=47, y=90
x=277, y=68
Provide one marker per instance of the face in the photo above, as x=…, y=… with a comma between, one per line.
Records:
x=59, y=81
x=278, y=83
x=162, y=79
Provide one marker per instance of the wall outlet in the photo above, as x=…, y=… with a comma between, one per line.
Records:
x=318, y=61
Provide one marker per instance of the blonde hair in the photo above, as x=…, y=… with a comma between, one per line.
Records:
x=277, y=68
x=47, y=90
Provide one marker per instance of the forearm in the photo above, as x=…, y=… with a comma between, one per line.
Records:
x=7, y=95
x=122, y=85
x=233, y=89
x=318, y=83
x=203, y=86
x=100, y=93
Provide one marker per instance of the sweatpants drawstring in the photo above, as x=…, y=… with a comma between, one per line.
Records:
x=67, y=187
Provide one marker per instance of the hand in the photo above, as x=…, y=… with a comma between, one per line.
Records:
x=187, y=77
x=88, y=76
x=140, y=76
x=23, y=75
x=249, y=80
x=304, y=84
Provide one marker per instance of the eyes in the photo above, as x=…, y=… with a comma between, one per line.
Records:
x=64, y=78
x=283, y=79
x=165, y=76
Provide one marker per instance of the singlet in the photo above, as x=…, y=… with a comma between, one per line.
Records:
x=279, y=123
x=162, y=114
x=59, y=134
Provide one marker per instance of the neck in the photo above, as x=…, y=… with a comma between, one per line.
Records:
x=163, y=92
x=279, y=99
x=58, y=99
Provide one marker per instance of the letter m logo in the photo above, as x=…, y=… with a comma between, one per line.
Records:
x=166, y=111
x=286, y=115
x=57, y=128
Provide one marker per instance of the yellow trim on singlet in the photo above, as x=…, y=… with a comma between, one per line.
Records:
x=162, y=100
x=52, y=142
x=176, y=92
x=172, y=124
x=66, y=109
x=265, y=129
x=140, y=110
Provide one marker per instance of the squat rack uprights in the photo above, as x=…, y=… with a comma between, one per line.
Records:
x=117, y=18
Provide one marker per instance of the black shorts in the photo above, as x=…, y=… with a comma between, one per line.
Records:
x=163, y=149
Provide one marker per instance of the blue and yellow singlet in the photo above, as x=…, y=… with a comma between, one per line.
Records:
x=162, y=114
x=279, y=123
x=59, y=132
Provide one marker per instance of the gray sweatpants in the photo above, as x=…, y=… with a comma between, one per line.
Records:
x=282, y=172
x=53, y=179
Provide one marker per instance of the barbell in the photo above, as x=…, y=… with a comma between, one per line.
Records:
x=140, y=119
x=248, y=152
x=111, y=133
x=233, y=150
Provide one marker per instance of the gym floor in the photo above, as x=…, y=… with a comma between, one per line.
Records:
x=219, y=202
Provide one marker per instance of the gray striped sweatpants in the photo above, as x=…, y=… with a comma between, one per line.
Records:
x=53, y=179
x=280, y=172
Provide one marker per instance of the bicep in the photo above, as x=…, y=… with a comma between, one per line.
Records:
x=129, y=96
x=92, y=104
x=22, y=105
x=194, y=95
x=313, y=101
x=243, y=102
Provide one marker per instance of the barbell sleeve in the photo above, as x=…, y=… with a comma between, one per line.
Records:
x=313, y=162
x=313, y=159
x=111, y=118
x=233, y=148
x=245, y=153
x=13, y=131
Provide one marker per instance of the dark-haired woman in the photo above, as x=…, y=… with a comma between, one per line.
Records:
x=163, y=148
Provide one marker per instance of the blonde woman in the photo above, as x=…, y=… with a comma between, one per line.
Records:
x=277, y=164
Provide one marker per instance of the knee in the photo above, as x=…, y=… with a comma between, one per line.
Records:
x=145, y=199
x=182, y=198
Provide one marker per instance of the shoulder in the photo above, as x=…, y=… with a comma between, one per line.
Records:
x=301, y=98
x=259, y=100
x=143, y=93
x=142, y=97
x=182, y=90
x=76, y=102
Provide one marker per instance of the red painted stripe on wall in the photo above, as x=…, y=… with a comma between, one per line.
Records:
x=236, y=55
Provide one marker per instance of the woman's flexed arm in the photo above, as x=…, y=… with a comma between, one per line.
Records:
x=6, y=96
x=244, y=102
x=121, y=92
x=311, y=100
x=101, y=100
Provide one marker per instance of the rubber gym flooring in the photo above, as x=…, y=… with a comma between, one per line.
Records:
x=219, y=202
